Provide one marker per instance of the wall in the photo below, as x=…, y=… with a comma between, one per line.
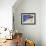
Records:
x=32, y=32
x=6, y=13
x=6, y=16
x=43, y=22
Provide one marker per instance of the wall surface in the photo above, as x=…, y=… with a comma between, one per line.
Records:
x=43, y=22
x=6, y=16
x=32, y=32
x=6, y=13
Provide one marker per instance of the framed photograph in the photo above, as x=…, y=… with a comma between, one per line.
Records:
x=28, y=18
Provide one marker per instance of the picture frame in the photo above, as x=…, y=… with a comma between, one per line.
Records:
x=28, y=18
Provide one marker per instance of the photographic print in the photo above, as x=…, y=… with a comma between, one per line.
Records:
x=28, y=18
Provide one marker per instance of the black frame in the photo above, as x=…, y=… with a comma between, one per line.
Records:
x=28, y=23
